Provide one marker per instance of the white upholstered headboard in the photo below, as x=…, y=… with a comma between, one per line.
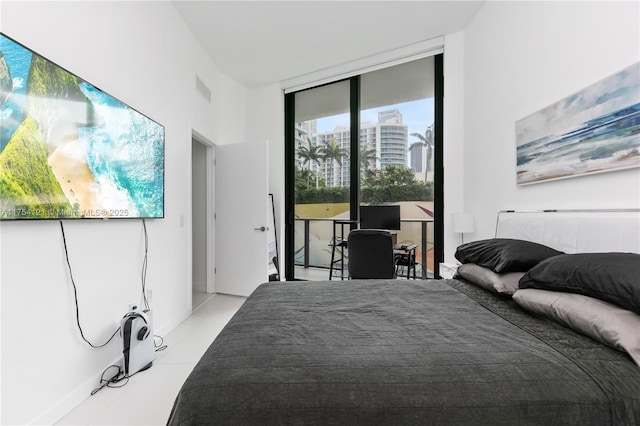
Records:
x=574, y=231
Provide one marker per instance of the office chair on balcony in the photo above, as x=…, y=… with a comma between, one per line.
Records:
x=371, y=254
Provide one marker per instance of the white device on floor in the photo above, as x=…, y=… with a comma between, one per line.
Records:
x=138, y=348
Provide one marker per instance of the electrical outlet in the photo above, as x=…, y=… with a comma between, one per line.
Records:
x=133, y=306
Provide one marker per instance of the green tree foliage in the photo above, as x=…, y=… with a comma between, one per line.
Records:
x=305, y=177
x=333, y=152
x=391, y=185
x=307, y=154
x=323, y=194
x=367, y=157
x=394, y=184
x=306, y=193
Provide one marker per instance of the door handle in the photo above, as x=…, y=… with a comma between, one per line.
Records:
x=261, y=229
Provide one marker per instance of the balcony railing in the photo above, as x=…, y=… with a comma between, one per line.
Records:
x=313, y=238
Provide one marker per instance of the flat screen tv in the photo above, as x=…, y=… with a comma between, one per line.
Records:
x=68, y=150
x=380, y=217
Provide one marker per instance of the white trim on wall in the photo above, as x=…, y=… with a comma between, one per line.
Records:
x=210, y=209
x=375, y=62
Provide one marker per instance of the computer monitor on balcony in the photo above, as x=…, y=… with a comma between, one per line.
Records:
x=380, y=217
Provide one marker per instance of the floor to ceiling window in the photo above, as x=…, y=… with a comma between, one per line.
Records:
x=322, y=176
x=372, y=139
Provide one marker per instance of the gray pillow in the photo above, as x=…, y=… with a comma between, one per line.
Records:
x=602, y=321
x=506, y=283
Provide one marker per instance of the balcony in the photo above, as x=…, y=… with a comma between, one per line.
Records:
x=313, y=249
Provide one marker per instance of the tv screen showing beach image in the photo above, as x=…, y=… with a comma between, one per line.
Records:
x=68, y=150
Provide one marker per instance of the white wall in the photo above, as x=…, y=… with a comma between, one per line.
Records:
x=520, y=57
x=453, y=137
x=232, y=102
x=143, y=54
x=266, y=118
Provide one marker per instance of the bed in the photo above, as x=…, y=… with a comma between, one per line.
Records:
x=436, y=352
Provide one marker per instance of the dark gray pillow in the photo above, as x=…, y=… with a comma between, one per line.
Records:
x=613, y=277
x=504, y=254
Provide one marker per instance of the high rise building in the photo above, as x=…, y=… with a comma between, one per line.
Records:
x=421, y=156
x=381, y=144
x=336, y=169
x=417, y=153
x=304, y=132
x=392, y=116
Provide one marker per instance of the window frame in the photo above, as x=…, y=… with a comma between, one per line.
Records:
x=354, y=195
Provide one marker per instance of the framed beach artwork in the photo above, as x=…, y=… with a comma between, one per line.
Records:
x=592, y=131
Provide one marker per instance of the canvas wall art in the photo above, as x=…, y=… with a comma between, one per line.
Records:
x=592, y=131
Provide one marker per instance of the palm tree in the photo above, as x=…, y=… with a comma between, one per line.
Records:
x=309, y=153
x=334, y=152
x=367, y=156
x=427, y=141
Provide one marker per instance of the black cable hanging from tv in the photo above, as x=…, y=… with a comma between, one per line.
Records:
x=75, y=295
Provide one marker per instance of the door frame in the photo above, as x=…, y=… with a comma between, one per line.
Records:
x=209, y=210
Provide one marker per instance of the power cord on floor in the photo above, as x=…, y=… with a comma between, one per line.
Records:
x=159, y=346
x=119, y=376
x=113, y=381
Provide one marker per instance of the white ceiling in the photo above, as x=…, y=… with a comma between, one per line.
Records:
x=262, y=42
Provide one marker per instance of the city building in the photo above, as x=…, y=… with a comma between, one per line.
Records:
x=421, y=154
x=387, y=138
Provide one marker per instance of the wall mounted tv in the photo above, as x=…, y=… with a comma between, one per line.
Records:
x=68, y=150
x=385, y=216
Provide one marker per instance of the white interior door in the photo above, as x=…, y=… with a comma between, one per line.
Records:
x=241, y=217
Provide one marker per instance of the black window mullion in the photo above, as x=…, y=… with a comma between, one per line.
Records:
x=289, y=183
x=438, y=204
x=354, y=158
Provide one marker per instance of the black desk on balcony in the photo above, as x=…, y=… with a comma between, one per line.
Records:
x=405, y=253
x=406, y=257
x=419, y=236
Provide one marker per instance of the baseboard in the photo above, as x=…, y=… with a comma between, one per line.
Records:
x=70, y=401
x=67, y=403
x=172, y=323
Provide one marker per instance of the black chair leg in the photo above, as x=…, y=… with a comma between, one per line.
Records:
x=333, y=256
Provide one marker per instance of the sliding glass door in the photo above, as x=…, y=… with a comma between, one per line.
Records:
x=368, y=140
x=321, y=173
x=397, y=116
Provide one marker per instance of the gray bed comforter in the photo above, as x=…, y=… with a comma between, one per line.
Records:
x=402, y=352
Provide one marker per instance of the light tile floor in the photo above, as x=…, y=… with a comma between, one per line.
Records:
x=148, y=396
